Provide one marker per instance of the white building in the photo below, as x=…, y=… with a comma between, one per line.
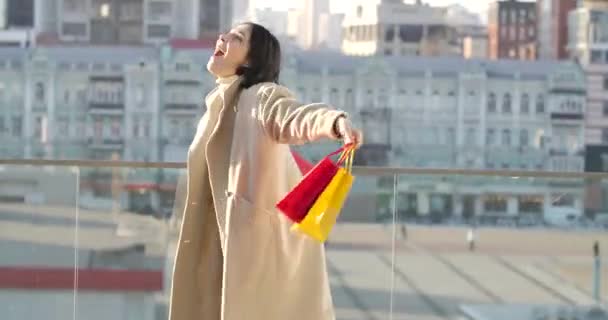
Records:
x=130, y=22
x=275, y=21
x=143, y=104
x=313, y=26
x=392, y=27
x=588, y=44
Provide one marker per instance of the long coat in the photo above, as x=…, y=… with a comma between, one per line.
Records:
x=236, y=257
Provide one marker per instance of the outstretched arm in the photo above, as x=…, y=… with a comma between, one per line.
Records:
x=288, y=121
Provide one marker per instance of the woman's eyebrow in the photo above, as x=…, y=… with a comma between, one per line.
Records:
x=241, y=35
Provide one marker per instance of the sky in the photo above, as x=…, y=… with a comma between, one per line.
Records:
x=476, y=6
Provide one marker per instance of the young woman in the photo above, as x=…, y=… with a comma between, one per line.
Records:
x=236, y=257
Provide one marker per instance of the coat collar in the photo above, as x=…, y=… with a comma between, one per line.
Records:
x=225, y=92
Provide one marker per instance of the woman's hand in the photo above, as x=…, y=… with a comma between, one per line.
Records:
x=348, y=133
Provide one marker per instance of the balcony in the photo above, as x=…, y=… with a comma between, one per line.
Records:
x=103, y=235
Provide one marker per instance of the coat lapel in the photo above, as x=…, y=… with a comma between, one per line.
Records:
x=218, y=151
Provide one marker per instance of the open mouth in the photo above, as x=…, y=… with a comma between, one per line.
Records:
x=218, y=53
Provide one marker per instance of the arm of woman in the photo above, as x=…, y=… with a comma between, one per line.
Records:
x=288, y=121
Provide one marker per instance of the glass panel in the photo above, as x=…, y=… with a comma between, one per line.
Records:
x=360, y=278
x=77, y=242
x=38, y=219
x=135, y=250
x=488, y=247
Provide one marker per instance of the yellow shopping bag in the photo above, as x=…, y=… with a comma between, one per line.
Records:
x=324, y=212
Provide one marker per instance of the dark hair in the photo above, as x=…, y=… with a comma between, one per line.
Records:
x=264, y=57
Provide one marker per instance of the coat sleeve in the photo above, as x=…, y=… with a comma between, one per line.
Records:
x=288, y=121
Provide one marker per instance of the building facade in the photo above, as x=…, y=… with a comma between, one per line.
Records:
x=395, y=28
x=131, y=22
x=143, y=104
x=553, y=28
x=588, y=44
x=512, y=30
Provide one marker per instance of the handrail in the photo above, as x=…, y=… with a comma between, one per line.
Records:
x=360, y=171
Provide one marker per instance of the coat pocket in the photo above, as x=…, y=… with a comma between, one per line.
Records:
x=244, y=210
x=250, y=240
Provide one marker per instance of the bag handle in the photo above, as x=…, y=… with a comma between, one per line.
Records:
x=346, y=152
x=349, y=160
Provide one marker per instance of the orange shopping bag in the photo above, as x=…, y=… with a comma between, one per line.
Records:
x=324, y=212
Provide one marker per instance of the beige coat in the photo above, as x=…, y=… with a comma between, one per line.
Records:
x=236, y=257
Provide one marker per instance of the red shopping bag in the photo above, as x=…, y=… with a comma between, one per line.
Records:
x=302, y=163
x=297, y=202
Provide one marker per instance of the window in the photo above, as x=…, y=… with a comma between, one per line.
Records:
x=74, y=29
x=383, y=99
x=334, y=97
x=369, y=98
x=388, y=52
x=389, y=35
x=136, y=128
x=133, y=10
x=38, y=124
x=540, y=104
x=63, y=125
x=524, y=138
x=525, y=103
x=73, y=5
x=506, y=137
x=605, y=82
x=98, y=128
x=495, y=203
x=506, y=103
x=605, y=136
x=182, y=67
x=596, y=56
x=66, y=97
x=503, y=32
x=116, y=126
x=174, y=129
x=39, y=91
x=157, y=10
x=562, y=200
x=146, y=129
x=605, y=109
x=451, y=137
x=349, y=99
x=490, y=137
x=16, y=126
x=2, y=125
x=492, y=102
x=471, y=137
x=139, y=95
x=531, y=32
x=159, y=31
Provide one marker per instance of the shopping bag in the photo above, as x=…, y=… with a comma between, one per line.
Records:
x=323, y=214
x=302, y=163
x=299, y=200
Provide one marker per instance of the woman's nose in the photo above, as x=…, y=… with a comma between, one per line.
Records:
x=222, y=38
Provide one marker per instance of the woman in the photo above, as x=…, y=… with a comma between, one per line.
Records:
x=236, y=257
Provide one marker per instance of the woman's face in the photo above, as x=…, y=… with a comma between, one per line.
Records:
x=230, y=52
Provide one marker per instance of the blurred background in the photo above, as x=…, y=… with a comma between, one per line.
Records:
x=482, y=189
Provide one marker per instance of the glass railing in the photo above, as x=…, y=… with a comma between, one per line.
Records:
x=96, y=240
